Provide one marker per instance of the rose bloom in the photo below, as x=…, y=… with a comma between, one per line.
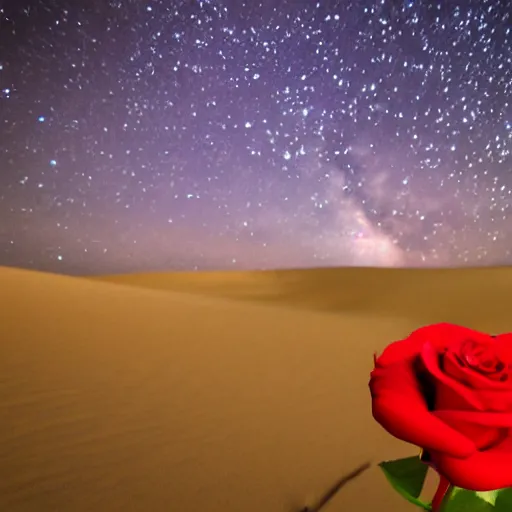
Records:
x=448, y=390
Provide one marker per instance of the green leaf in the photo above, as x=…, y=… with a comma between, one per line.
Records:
x=407, y=477
x=461, y=500
x=504, y=500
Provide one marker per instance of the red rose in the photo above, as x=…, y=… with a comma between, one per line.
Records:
x=448, y=390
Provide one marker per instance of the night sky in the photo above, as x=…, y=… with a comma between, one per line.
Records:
x=143, y=135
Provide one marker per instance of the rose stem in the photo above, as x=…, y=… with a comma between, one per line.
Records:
x=442, y=489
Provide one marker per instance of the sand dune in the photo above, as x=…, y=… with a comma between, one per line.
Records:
x=421, y=295
x=215, y=392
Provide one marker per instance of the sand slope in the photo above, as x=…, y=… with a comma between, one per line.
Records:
x=122, y=396
x=461, y=295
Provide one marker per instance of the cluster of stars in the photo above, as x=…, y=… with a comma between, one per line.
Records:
x=148, y=135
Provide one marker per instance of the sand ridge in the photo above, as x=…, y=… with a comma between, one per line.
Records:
x=426, y=295
x=140, y=397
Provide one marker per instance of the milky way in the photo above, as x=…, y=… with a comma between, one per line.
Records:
x=141, y=135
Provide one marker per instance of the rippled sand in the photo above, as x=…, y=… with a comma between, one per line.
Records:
x=242, y=392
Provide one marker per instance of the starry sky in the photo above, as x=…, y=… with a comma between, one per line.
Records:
x=145, y=135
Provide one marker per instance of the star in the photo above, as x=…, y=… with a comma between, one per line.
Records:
x=143, y=136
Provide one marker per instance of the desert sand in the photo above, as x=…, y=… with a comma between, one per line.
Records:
x=211, y=392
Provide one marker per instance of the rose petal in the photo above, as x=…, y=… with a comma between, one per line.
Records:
x=484, y=436
x=504, y=342
x=470, y=377
x=489, y=419
x=431, y=360
x=483, y=471
x=399, y=406
x=439, y=335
